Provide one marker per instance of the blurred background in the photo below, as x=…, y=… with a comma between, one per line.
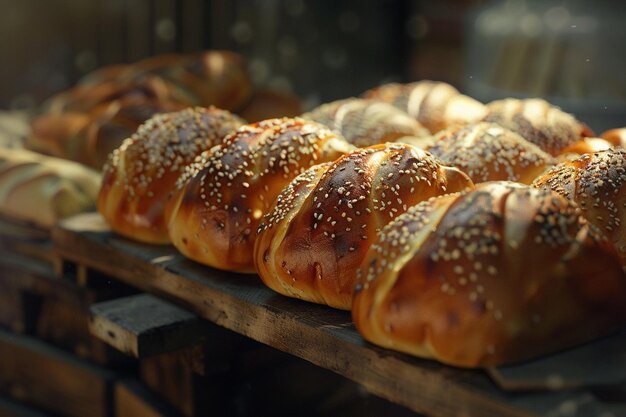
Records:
x=570, y=52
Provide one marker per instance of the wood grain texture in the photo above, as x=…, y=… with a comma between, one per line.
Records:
x=34, y=301
x=144, y=325
x=172, y=376
x=26, y=240
x=315, y=333
x=133, y=399
x=52, y=379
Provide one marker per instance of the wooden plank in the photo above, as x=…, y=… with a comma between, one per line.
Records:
x=172, y=376
x=133, y=399
x=34, y=301
x=570, y=369
x=315, y=333
x=26, y=239
x=318, y=334
x=144, y=325
x=53, y=379
x=10, y=408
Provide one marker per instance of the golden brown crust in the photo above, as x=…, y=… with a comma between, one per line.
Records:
x=310, y=245
x=436, y=105
x=366, y=122
x=84, y=98
x=496, y=275
x=539, y=122
x=40, y=189
x=89, y=137
x=490, y=152
x=617, y=136
x=141, y=174
x=226, y=193
x=86, y=122
x=218, y=78
x=597, y=183
x=586, y=145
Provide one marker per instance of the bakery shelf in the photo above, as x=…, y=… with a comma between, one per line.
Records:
x=318, y=334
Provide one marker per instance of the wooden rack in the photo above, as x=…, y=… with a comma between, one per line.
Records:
x=318, y=334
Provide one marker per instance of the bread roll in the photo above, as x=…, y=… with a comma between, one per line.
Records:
x=495, y=275
x=490, y=152
x=539, y=122
x=436, y=105
x=597, y=183
x=310, y=245
x=141, y=174
x=218, y=78
x=89, y=137
x=224, y=195
x=366, y=122
x=617, y=137
x=86, y=122
x=587, y=145
x=84, y=98
x=41, y=190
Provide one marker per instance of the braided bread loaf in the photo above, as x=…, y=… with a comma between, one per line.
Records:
x=617, y=137
x=490, y=152
x=218, y=78
x=84, y=98
x=539, y=122
x=583, y=146
x=225, y=193
x=311, y=243
x=597, y=183
x=366, y=122
x=110, y=104
x=495, y=275
x=41, y=190
x=141, y=174
x=89, y=137
x=436, y=105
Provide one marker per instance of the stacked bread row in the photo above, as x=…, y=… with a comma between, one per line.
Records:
x=442, y=254
x=406, y=205
x=89, y=121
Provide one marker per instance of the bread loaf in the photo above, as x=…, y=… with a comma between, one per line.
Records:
x=41, y=190
x=495, y=275
x=225, y=195
x=597, y=183
x=539, y=122
x=490, y=152
x=436, y=105
x=311, y=243
x=86, y=122
x=617, y=137
x=583, y=146
x=140, y=176
x=89, y=137
x=218, y=78
x=366, y=122
x=84, y=98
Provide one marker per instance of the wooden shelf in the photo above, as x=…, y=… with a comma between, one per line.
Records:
x=318, y=334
